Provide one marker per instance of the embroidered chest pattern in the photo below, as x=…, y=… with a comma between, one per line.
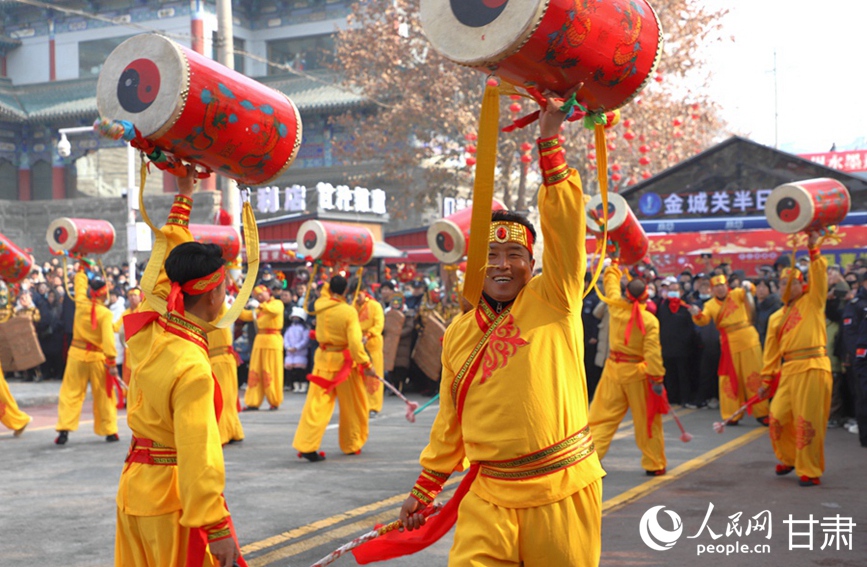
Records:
x=792, y=320
x=504, y=343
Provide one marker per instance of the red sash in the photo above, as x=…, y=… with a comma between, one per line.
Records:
x=341, y=376
x=656, y=405
x=726, y=362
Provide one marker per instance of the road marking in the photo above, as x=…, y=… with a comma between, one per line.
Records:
x=51, y=427
x=645, y=488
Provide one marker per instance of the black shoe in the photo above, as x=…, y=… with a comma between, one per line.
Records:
x=660, y=472
x=764, y=421
x=373, y=413
x=251, y=408
x=313, y=456
x=233, y=441
x=112, y=438
x=62, y=438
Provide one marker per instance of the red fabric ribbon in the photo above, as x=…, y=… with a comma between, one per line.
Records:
x=341, y=376
x=656, y=405
x=726, y=363
x=198, y=286
x=635, y=317
x=398, y=544
x=112, y=383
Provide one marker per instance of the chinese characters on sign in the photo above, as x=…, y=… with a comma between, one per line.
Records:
x=850, y=161
x=328, y=198
x=452, y=205
x=704, y=203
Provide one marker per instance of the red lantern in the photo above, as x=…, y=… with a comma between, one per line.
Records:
x=616, y=177
x=591, y=146
x=628, y=135
x=696, y=106
x=658, y=78
x=515, y=97
x=655, y=145
x=645, y=174
x=515, y=107
x=611, y=147
x=526, y=147
x=615, y=167
x=591, y=166
x=471, y=149
x=644, y=160
x=561, y=139
x=627, y=123
x=678, y=134
x=471, y=137
x=677, y=122
x=471, y=161
x=643, y=149
x=591, y=155
x=631, y=181
x=526, y=158
x=223, y=218
x=695, y=116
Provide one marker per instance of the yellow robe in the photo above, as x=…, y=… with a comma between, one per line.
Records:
x=522, y=415
x=337, y=330
x=795, y=348
x=170, y=402
x=265, y=379
x=225, y=367
x=731, y=315
x=371, y=317
x=624, y=382
x=10, y=415
x=118, y=328
x=91, y=353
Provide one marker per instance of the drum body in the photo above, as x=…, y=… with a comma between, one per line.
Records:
x=623, y=227
x=335, y=244
x=226, y=237
x=448, y=238
x=80, y=236
x=15, y=263
x=199, y=110
x=613, y=47
x=804, y=206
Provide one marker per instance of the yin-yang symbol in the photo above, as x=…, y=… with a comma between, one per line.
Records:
x=477, y=13
x=138, y=85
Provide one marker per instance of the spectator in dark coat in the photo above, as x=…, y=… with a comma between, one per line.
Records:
x=50, y=333
x=677, y=338
x=707, y=393
x=767, y=303
x=591, y=338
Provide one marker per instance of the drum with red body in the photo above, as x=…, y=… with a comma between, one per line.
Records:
x=15, y=263
x=226, y=237
x=80, y=236
x=198, y=110
x=449, y=237
x=612, y=47
x=804, y=206
x=334, y=243
x=624, y=230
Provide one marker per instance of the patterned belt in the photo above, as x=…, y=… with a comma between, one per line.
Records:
x=735, y=327
x=332, y=348
x=269, y=332
x=150, y=452
x=84, y=345
x=217, y=351
x=558, y=456
x=805, y=353
x=623, y=357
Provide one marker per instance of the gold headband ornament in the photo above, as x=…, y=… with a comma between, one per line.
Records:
x=508, y=231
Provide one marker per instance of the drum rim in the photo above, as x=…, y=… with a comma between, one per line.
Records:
x=319, y=229
x=184, y=92
x=299, y=132
x=446, y=257
x=808, y=211
x=64, y=222
x=660, y=44
x=620, y=215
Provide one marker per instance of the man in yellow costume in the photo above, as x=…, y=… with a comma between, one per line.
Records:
x=224, y=362
x=10, y=415
x=170, y=507
x=741, y=360
x=90, y=361
x=371, y=317
x=513, y=398
x=134, y=298
x=265, y=379
x=335, y=377
x=795, y=349
x=633, y=374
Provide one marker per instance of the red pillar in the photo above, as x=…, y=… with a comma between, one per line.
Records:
x=24, y=191
x=58, y=182
x=197, y=27
x=52, y=65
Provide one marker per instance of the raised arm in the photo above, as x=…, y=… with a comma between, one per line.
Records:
x=177, y=228
x=818, y=280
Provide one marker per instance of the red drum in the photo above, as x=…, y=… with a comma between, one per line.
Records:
x=613, y=47
x=15, y=263
x=804, y=206
x=334, y=243
x=199, y=110
x=623, y=228
x=226, y=237
x=80, y=236
x=448, y=238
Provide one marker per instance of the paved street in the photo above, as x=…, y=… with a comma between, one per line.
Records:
x=57, y=503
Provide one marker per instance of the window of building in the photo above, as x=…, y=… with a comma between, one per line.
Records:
x=8, y=180
x=239, y=45
x=41, y=181
x=303, y=54
x=92, y=54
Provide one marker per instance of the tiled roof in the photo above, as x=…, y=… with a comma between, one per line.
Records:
x=76, y=99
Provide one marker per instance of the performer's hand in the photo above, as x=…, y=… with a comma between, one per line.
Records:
x=813, y=240
x=371, y=384
x=694, y=310
x=188, y=183
x=225, y=551
x=763, y=392
x=409, y=514
x=112, y=369
x=550, y=117
x=370, y=371
x=657, y=388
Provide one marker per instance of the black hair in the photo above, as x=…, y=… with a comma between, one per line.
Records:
x=96, y=284
x=636, y=287
x=387, y=284
x=770, y=283
x=511, y=216
x=190, y=261
x=338, y=285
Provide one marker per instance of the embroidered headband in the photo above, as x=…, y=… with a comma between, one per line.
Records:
x=786, y=273
x=508, y=231
x=197, y=286
x=720, y=279
x=261, y=289
x=134, y=292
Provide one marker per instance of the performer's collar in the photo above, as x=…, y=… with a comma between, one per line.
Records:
x=496, y=306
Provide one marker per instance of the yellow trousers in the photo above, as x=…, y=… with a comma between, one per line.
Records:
x=73, y=390
x=374, y=349
x=799, y=417
x=318, y=407
x=153, y=541
x=225, y=368
x=564, y=533
x=748, y=364
x=10, y=415
x=607, y=410
x=265, y=379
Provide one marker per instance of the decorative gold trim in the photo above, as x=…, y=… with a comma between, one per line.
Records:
x=299, y=132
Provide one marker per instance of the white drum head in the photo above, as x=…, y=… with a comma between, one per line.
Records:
x=789, y=208
x=311, y=240
x=618, y=208
x=145, y=80
x=480, y=32
x=446, y=241
x=62, y=234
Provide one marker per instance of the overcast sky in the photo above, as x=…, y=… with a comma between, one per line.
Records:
x=821, y=60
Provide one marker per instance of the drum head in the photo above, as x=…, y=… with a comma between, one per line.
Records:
x=618, y=208
x=145, y=81
x=446, y=241
x=789, y=208
x=312, y=240
x=480, y=32
x=62, y=234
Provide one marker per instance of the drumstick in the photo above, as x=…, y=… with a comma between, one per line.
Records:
x=427, y=403
x=684, y=436
x=410, y=406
